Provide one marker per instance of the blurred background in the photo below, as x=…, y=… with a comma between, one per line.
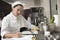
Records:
x=47, y=11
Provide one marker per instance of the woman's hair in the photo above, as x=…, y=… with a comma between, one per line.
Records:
x=18, y=5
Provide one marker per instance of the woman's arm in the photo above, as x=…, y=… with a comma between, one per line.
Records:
x=9, y=35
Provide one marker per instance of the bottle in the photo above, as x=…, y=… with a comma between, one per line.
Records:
x=36, y=21
x=45, y=27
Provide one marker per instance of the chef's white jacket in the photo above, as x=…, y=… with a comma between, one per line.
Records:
x=12, y=24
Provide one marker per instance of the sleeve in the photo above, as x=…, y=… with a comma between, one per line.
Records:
x=4, y=28
x=28, y=24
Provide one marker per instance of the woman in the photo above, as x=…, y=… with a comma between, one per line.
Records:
x=12, y=23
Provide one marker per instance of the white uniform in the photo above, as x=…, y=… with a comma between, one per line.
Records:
x=12, y=24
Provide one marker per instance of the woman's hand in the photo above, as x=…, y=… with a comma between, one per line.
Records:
x=19, y=34
x=9, y=35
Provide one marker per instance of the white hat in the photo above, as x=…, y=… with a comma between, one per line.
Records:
x=15, y=3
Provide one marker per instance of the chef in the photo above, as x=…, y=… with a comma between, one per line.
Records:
x=12, y=23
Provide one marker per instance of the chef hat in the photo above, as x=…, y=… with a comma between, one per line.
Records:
x=16, y=3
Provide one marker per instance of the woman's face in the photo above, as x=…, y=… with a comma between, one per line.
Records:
x=17, y=10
